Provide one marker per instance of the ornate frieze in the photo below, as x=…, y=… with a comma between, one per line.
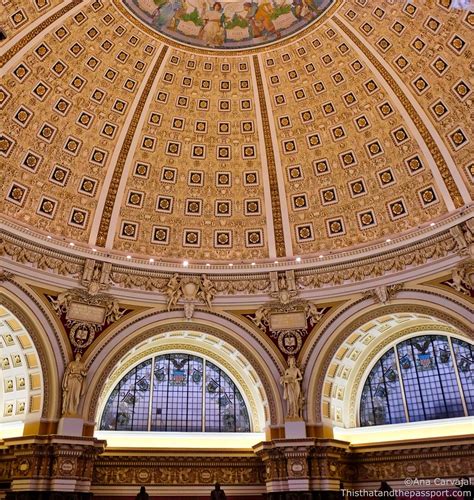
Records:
x=96, y=275
x=177, y=470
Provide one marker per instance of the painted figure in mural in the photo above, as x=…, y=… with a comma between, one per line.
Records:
x=313, y=6
x=167, y=13
x=260, y=19
x=297, y=8
x=291, y=382
x=229, y=23
x=73, y=386
x=217, y=493
x=213, y=33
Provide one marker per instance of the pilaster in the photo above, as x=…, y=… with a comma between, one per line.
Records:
x=303, y=468
x=49, y=466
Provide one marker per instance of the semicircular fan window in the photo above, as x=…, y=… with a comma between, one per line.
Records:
x=427, y=377
x=176, y=393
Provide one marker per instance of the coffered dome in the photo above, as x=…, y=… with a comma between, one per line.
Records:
x=128, y=130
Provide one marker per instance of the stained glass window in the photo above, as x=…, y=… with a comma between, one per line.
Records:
x=427, y=377
x=185, y=394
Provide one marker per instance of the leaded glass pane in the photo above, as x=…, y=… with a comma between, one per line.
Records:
x=430, y=384
x=127, y=406
x=429, y=379
x=381, y=401
x=464, y=353
x=225, y=408
x=177, y=391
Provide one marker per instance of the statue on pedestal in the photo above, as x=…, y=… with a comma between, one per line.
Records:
x=217, y=493
x=291, y=382
x=73, y=386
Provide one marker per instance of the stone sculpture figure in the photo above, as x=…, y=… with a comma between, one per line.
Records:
x=291, y=382
x=261, y=318
x=207, y=291
x=73, y=386
x=313, y=313
x=173, y=291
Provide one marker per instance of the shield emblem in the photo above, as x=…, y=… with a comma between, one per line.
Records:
x=212, y=386
x=425, y=361
x=143, y=384
x=380, y=391
x=444, y=356
x=160, y=374
x=196, y=376
x=405, y=362
x=464, y=365
x=224, y=400
x=391, y=375
x=178, y=377
x=129, y=398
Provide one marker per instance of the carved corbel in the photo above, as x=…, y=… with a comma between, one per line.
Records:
x=383, y=294
x=96, y=276
x=189, y=290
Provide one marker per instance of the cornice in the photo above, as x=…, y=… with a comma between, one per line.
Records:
x=431, y=247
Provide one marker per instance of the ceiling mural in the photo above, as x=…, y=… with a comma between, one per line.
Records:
x=227, y=24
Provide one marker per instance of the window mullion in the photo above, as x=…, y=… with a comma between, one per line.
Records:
x=402, y=387
x=150, y=401
x=439, y=376
x=203, y=408
x=418, y=379
x=386, y=391
x=458, y=378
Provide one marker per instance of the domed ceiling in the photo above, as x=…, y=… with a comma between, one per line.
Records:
x=123, y=130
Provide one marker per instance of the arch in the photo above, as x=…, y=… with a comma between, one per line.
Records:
x=45, y=342
x=334, y=341
x=221, y=336
x=417, y=378
x=192, y=362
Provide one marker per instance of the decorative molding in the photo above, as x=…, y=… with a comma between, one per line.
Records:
x=288, y=323
x=190, y=289
x=383, y=294
x=104, y=226
x=405, y=253
x=84, y=315
x=177, y=471
x=68, y=460
x=271, y=164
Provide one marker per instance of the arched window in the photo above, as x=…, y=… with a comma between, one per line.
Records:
x=185, y=394
x=423, y=378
